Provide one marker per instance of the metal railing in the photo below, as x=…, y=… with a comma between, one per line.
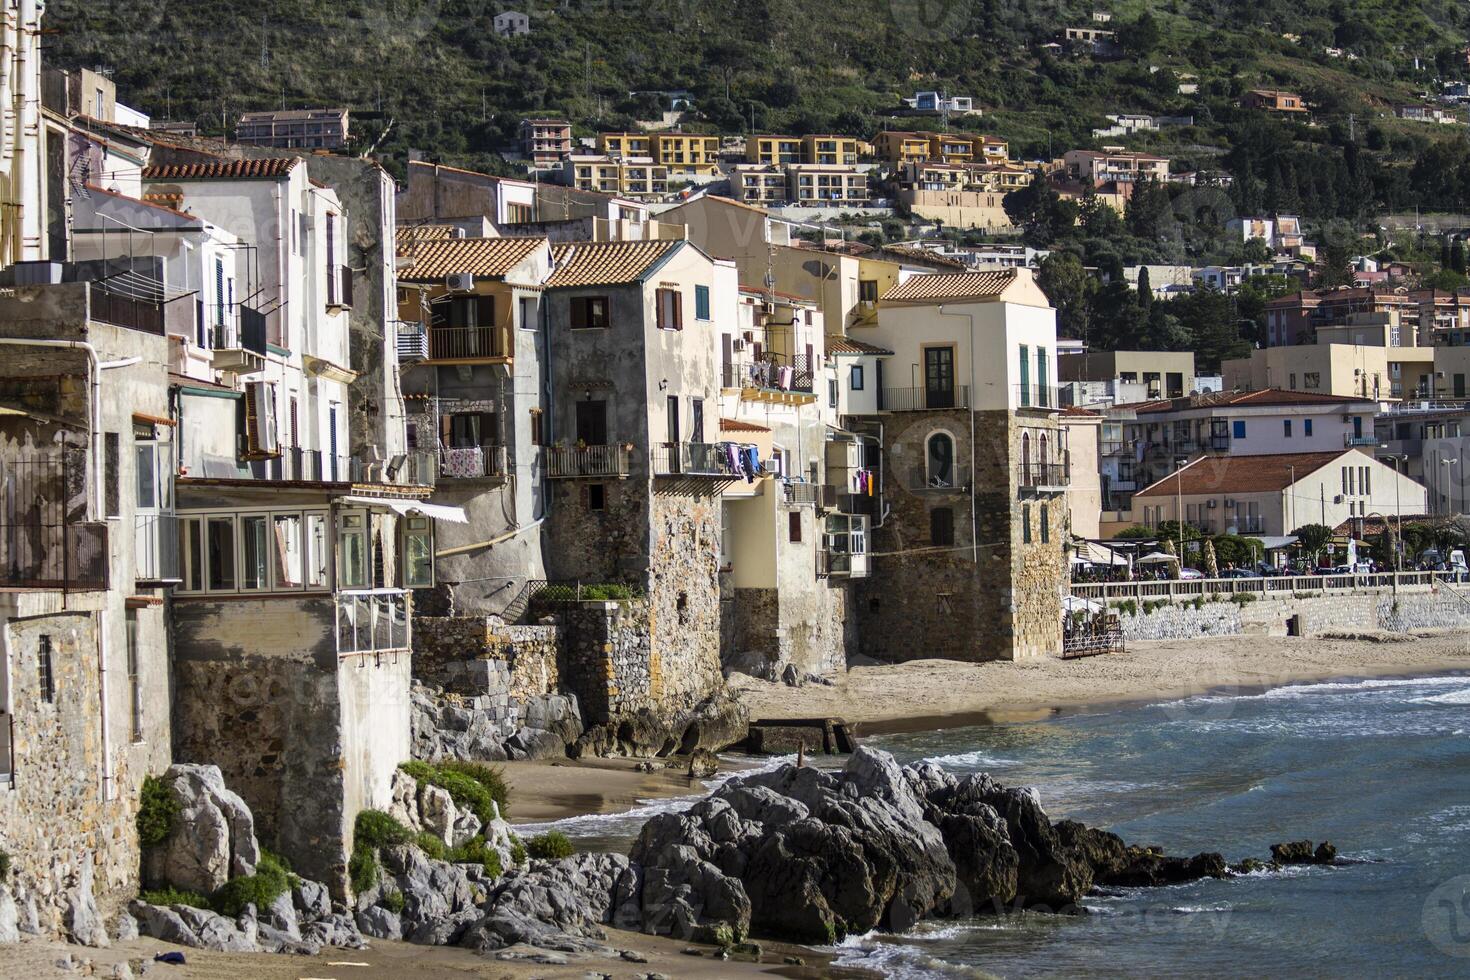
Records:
x=1352, y=440
x=1275, y=584
x=771, y=372
x=107, y=306
x=43, y=543
x=1038, y=396
x=372, y=621
x=923, y=399
x=156, y=543
x=803, y=494
x=294, y=465
x=563, y=462
x=691, y=459
x=841, y=564
x=468, y=343
x=472, y=462
x=413, y=340
x=1045, y=475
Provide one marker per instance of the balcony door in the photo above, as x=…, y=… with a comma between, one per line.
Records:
x=592, y=423
x=939, y=377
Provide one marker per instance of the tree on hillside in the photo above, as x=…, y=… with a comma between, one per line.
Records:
x=1068, y=286
x=1334, y=267
x=1145, y=289
x=1141, y=36
x=1039, y=211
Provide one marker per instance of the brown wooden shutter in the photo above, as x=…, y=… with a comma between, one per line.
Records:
x=579, y=313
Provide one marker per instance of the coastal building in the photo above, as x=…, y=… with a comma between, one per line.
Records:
x=511, y=23
x=1274, y=494
x=1156, y=438
x=974, y=467
x=1102, y=167
x=635, y=177
x=296, y=129
x=1274, y=100
x=1146, y=373
x=545, y=141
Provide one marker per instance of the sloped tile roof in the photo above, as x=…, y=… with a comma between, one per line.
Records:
x=606, y=263
x=484, y=258
x=951, y=286
x=846, y=345
x=273, y=168
x=407, y=234
x=1244, y=474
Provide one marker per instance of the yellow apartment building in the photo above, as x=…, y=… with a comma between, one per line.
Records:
x=901, y=147
x=773, y=150
x=830, y=150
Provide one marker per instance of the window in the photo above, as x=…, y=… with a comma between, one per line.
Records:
x=1237, y=429
x=793, y=524
x=1312, y=379
x=220, y=553
x=596, y=496
x=855, y=378
x=941, y=526
x=352, y=548
x=1025, y=523
x=135, y=688
x=44, y=674
x=701, y=303
x=868, y=290
x=1045, y=525
x=528, y=313
x=538, y=435
x=589, y=313
x=670, y=309
x=418, y=552
x=1286, y=428
x=832, y=393
x=1025, y=376
x=939, y=456
x=1307, y=428
x=1365, y=482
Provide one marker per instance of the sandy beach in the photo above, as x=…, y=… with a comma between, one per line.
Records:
x=550, y=790
x=34, y=958
x=926, y=693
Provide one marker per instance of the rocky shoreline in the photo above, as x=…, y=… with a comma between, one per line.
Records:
x=795, y=854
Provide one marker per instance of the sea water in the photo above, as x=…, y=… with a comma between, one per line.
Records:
x=1379, y=767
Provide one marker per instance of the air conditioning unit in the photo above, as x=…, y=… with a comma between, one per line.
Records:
x=459, y=282
x=1338, y=499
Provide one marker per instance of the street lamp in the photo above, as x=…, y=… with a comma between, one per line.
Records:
x=1450, y=494
x=1398, y=507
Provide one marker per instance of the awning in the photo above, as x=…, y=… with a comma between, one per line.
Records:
x=1158, y=558
x=1100, y=554
x=439, y=512
x=1273, y=542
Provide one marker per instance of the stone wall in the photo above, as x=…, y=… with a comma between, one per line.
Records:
x=55, y=823
x=608, y=658
x=684, y=598
x=459, y=653
x=992, y=594
x=1331, y=613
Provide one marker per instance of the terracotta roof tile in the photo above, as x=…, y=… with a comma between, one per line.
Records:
x=273, y=168
x=484, y=258
x=846, y=345
x=607, y=263
x=408, y=234
x=736, y=425
x=951, y=286
x=1243, y=474
x=924, y=255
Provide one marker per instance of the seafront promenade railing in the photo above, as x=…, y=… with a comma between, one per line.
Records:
x=1273, y=585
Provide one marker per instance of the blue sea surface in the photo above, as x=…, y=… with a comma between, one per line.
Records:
x=1379, y=767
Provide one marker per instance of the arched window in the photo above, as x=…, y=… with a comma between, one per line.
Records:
x=939, y=457
x=1025, y=459
x=1043, y=458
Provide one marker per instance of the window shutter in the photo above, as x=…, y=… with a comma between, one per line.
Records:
x=485, y=311
x=579, y=312
x=675, y=299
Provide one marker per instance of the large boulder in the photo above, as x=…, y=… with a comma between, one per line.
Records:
x=83, y=920
x=9, y=917
x=558, y=905
x=213, y=837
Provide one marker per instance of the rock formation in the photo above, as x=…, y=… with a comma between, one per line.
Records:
x=212, y=838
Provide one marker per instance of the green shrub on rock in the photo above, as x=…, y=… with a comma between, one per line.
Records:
x=473, y=786
x=517, y=851
x=174, y=896
x=271, y=880
x=550, y=846
x=477, y=851
x=157, y=810
x=4, y=865
x=393, y=901
x=431, y=845
x=377, y=829
x=362, y=868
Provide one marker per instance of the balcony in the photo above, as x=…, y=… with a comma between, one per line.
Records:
x=923, y=399
x=372, y=621
x=771, y=373
x=70, y=557
x=108, y=306
x=487, y=462
x=1040, y=396
x=156, y=544
x=694, y=459
x=798, y=494
x=1114, y=448
x=1044, y=477
x=468, y=343
x=586, y=462
x=1218, y=443
x=1352, y=440
x=413, y=341
x=295, y=465
x=339, y=287
x=237, y=338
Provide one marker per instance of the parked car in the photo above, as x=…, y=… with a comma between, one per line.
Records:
x=1191, y=573
x=1240, y=573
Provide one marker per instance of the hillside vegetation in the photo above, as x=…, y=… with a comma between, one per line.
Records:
x=454, y=89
